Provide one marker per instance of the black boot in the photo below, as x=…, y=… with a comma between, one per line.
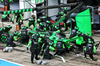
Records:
x=47, y=56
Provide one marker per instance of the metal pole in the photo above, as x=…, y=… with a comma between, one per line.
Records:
x=73, y=10
x=38, y=8
x=46, y=4
x=92, y=13
x=66, y=15
x=58, y=6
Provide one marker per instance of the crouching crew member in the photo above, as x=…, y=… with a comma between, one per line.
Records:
x=11, y=39
x=89, y=50
x=24, y=34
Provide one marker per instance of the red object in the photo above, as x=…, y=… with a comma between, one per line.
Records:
x=17, y=27
x=92, y=31
x=61, y=23
x=6, y=8
x=17, y=38
x=95, y=31
x=1, y=8
x=52, y=21
x=1, y=48
x=55, y=22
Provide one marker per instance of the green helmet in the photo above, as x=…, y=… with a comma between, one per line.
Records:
x=76, y=28
x=31, y=19
x=39, y=20
x=4, y=16
x=42, y=24
x=15, y=33
x=0, y=29
x=87, y=34
x=9, y=26
x=44, y=17
x=10, y=0
x=56, y=27
x=65, y=9
x=24, y=27
x=35, y=36
x=90, y=41
x=2, y=0
x=48, y=21
x=61, y=13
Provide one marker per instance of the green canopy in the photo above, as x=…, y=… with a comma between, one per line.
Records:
x=83, y=22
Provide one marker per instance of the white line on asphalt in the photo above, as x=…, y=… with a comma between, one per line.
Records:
x=61, y=58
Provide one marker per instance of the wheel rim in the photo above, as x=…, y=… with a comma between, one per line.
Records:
x=3, y=38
